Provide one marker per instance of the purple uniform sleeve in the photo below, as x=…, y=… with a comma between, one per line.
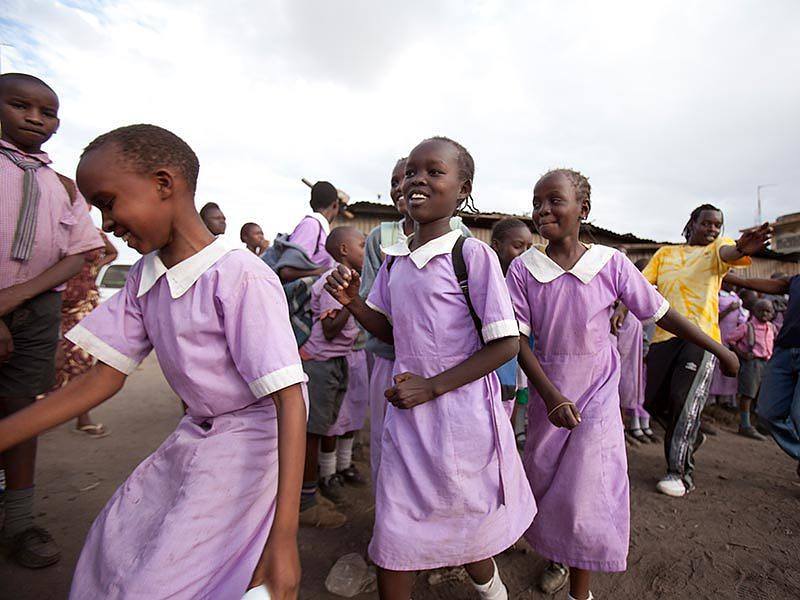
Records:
x=114, y=332
x=83, y=235
x=306, y=234
x=488, y=292
x=517, y=289
x=636, y=292
x=379, y=298
x=259, y=334
x=324, y=305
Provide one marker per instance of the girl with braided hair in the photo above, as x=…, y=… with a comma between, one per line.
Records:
x=575, y=454
x=679, y=372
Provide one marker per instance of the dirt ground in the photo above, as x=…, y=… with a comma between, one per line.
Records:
x=737, y=536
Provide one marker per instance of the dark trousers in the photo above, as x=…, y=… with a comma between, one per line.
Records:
x=678, y=379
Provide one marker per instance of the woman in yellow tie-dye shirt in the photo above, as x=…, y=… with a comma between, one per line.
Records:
x=679, y=373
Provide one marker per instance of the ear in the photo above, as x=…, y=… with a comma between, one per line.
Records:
x=58, y=124
x=165, y=182
x=586, y=207
x=465, y=191
x=495, y=245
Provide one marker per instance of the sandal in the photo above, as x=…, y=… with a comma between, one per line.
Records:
x=94, y=430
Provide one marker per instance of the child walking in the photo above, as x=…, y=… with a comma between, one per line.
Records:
x=325, y=360
x=45, y=236
x=575, y=453
x=450, y=489
x=754, y=342
x=214, y=509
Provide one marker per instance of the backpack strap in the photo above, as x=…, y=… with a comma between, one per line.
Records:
x=69, y=185
x=460, y=268
x=751, y=335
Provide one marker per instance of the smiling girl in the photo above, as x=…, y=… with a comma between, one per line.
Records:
x=575, y=451
x=451, y=489
x=214, y=510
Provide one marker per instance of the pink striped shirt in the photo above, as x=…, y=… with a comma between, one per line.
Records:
x=63, y=228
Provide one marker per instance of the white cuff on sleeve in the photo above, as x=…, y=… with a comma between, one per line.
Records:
x=662, y=310
x=102, y=351
x=524, y=329
x=376, y=308
x=277, y=380
x=500, y=329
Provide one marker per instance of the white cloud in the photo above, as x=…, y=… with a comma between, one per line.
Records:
x=663, y=105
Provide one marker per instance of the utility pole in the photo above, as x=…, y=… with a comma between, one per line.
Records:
x=758, y=196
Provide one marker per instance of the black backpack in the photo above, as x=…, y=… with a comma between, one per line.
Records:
x=460, y=268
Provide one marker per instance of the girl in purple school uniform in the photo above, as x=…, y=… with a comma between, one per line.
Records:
x=575, y=453
x=451, y=489
x=214, y=510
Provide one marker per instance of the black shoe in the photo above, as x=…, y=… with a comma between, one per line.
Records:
x=654, y=439
x=352, y=476
x=332, y=488
x=638, y=435
x=34, y=548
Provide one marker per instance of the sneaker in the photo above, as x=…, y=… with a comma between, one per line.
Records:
x=672, y=485
x=34, y=548
x=332, y=488
x=554, y=578
x=750, y=432
x=352, y=476
x=322, y=516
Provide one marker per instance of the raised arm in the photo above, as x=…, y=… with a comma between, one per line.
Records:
x=751, y=241
x=766, y=286
x=76, y=398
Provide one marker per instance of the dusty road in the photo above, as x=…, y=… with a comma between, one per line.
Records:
x=737, y=536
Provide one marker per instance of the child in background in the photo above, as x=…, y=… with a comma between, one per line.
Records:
x=575, y=456
x=510, y=238
x=213, y=510
x=325, y=361
x=380, y=378
x=214, y=218
x=451, y=489
x=45, y=235
x=252, y=237
x=754, y=342
x=731, y=315
x=312, y=231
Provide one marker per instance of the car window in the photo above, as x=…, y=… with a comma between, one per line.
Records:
x=115, y=276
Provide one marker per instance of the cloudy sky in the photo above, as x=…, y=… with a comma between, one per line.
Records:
x=663, y=105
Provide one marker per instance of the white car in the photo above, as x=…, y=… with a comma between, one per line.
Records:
x=111, y=279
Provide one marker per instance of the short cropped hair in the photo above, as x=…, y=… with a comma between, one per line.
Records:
x=148, y=147
x=504, y=226
x=323, y=195
x=7, y=78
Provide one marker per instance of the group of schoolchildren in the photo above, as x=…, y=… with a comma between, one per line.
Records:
x=267, y=436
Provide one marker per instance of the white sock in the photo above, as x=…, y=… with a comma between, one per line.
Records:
x=344, y=453
x=327, y=464
x=645, y=422
x=590, y=597
x=634, y=424
x=494, y=589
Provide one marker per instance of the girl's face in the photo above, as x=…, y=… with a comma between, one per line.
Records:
x=764, y=311
x=432, y=186
x=133, y=205
x=557, y=213
x=706, y=228
x=396, y=188
x=514, y=243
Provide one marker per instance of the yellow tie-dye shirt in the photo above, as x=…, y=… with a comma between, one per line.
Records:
x=690, y=277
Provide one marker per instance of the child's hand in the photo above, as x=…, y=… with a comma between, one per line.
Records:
x=279, y=569
x=563, y=413
x=6, y=343
x=10, y=298
x=728, y=363
x=343, y=284
x=410, y=390
x=618, y=319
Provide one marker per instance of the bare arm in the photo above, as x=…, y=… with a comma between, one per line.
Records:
x=289, y=274
x=332, y=326
x=79, y=396
x=680, y=326
x=65, y=269
x=343, y=284
x=766, y=286
x=111, y=253
x=279, y=565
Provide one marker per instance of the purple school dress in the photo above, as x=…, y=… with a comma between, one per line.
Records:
x=721, y=385
x=380, y=380
x=451, y=488
x=630, y=344
x=579, y=477
x=353, y=411
x=192, y=519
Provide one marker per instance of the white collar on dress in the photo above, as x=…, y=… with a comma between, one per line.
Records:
x=422, y=255
x=185, y=274
x=544, y=269
x=326, y=227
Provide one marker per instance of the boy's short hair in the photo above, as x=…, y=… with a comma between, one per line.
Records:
x=503, y=226
x=323, y=195
x=148, y=147
x=245, y=228
x=336, y=237
x=7, y=78
x=208, y=207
